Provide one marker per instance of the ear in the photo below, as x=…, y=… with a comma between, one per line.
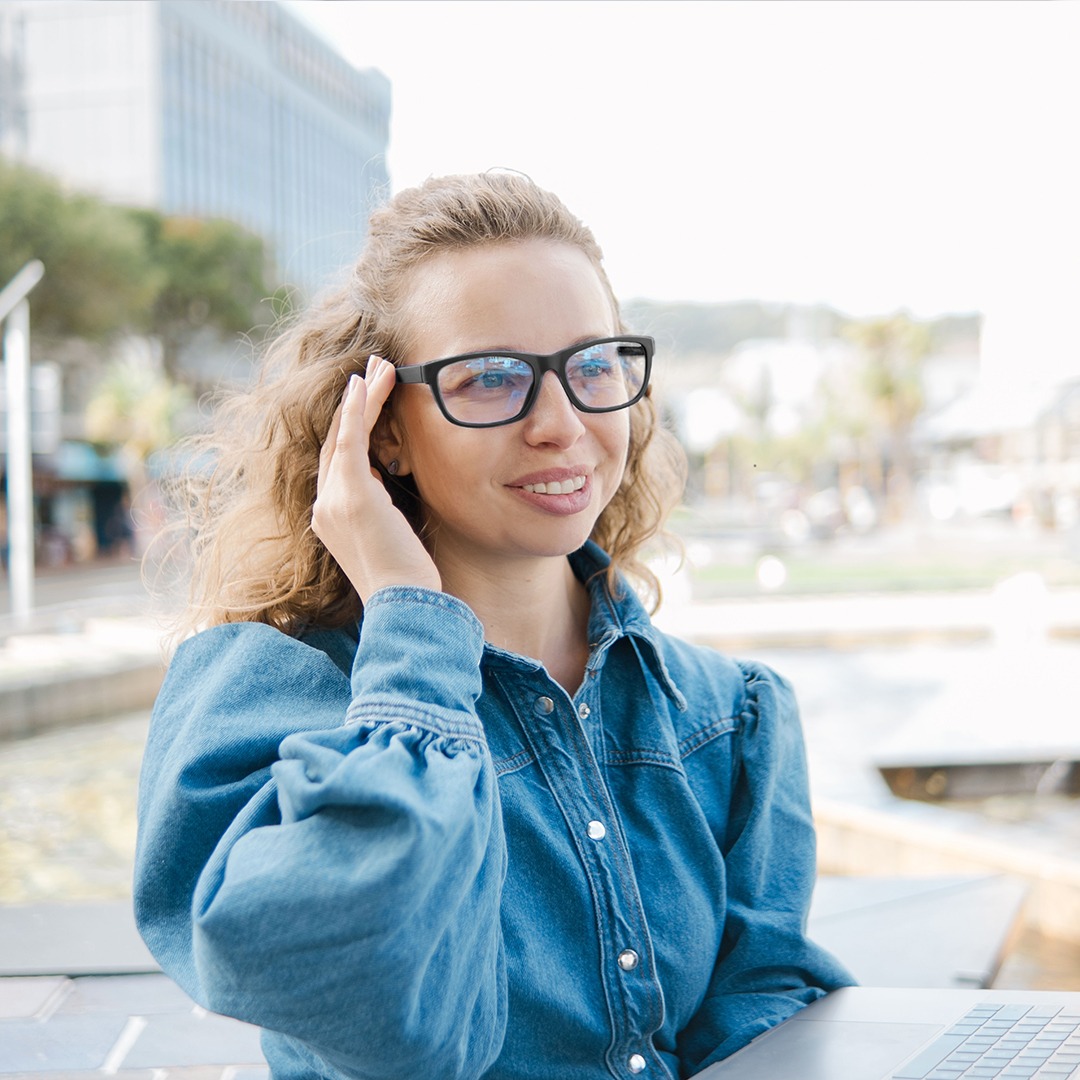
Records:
x=388, y=442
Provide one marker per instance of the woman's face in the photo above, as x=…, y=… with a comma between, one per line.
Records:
x=478, y=485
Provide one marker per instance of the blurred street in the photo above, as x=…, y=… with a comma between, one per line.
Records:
x=63, y=596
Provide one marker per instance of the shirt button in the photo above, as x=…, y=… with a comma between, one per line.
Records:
x=628, y=960
x=583, y=711
x=596, y=830
x=636, y=1063
x=543, y=705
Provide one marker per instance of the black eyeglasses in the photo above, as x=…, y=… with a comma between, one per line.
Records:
x=486, y=389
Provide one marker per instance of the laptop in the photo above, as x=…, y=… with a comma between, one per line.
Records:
x=870, y=1033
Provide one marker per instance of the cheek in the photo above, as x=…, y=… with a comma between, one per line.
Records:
x=445, y=461
x=615, y=438
x=416, y=428
x=620, y=439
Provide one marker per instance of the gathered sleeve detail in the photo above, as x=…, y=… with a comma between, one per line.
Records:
x=349, y=894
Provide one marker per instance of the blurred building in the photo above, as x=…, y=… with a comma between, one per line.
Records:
x=204, y=108
x=212, y=108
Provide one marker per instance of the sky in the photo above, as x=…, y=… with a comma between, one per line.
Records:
x=875, y=155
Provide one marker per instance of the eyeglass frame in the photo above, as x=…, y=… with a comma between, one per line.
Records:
x=428, y=374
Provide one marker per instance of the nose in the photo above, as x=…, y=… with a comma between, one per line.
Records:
x=553, y=418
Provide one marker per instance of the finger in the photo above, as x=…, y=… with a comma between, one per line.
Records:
x=379, y=381
x=326, y=453
x=350, y=430
x=337, y=438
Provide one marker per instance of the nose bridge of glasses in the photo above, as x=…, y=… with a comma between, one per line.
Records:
x=553, y=381
x=551, y=402
x=553, y=365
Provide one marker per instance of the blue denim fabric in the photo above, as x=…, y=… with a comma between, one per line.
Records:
x=415, y=856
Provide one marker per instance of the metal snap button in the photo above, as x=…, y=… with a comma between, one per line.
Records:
x=636, y=1063
x=544, y=705
x=628, y=959
x=595, y=830
x=583, y=711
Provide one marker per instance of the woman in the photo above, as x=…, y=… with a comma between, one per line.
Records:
x=430, y=796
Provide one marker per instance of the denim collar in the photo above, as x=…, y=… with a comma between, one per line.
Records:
x=611, y=618
x=615, y=617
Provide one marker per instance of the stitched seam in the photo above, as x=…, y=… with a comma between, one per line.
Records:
x=513, y=764
x=706, y=735
x=395, y=593
x=376, y=711
x=640, y=757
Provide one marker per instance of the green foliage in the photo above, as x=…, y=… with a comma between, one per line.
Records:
x=111, y=270
x=890, y=386
x=893, y=349
x=98, y=272
x=866, y=407
x=136, y=408
x=213, y=273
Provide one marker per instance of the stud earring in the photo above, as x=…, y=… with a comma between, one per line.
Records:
x=393, y=467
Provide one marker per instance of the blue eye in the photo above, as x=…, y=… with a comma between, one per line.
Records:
x=485, y=375
x=592, y=369
x=591, y=364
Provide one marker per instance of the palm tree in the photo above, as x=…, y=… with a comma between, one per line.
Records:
x=138, y=409
x=890, y=383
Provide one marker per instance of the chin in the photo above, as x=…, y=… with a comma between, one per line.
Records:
x=559, y=547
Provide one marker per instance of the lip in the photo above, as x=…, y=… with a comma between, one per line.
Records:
x=552, y=476
x=562, y=504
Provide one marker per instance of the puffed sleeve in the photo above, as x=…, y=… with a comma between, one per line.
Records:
x=767, y=967
x=321, y=852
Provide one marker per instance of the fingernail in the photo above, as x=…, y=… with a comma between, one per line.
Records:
x=354, y=380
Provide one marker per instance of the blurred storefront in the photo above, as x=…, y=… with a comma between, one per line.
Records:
x=81, y=506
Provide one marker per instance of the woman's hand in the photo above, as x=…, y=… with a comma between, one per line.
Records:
x=353, y=514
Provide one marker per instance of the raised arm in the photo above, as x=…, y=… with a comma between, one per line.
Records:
x=347, y=894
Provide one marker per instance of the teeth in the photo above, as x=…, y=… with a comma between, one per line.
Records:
x=556, y=487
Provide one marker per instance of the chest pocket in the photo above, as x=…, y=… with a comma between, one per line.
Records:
x=640, y=721
x=510, y=750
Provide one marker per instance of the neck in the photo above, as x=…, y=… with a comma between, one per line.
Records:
x=534, y=607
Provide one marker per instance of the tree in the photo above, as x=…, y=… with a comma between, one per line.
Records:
x=98, y=273
x=212, y=274
x=892, y=350
x=138, y=409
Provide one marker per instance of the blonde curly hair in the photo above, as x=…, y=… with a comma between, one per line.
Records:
x=246, y=496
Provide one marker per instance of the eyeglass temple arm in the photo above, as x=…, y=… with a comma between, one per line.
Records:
x=414, y=373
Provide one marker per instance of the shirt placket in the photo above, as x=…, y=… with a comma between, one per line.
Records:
x=556, y=729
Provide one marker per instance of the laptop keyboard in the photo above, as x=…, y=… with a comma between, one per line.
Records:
x=1003, y=1042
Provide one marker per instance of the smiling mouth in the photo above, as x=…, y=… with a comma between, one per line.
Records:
x=556, y=487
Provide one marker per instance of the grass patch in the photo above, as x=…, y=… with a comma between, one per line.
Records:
x=843, y=573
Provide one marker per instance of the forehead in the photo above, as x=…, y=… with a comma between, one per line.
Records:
x=530, y=295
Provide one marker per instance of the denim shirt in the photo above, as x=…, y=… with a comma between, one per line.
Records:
x=406, y=853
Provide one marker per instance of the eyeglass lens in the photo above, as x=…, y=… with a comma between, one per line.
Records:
x=489, y=389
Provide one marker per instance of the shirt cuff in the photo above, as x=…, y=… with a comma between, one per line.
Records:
x=419, y=659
